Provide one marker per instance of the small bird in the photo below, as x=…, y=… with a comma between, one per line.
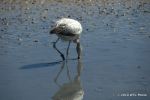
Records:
x=68, y=30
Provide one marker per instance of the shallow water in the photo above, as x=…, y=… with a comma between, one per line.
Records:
x=115, y=58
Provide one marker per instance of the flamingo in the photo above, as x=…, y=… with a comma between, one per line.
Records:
x=67, y=29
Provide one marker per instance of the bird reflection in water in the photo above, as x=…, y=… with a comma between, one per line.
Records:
x=71, y=90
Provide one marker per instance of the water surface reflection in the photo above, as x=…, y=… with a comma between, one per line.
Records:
x=71, y=90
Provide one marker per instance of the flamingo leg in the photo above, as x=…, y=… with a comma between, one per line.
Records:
x=68, y=50
x=78, y=48
x=54, y=46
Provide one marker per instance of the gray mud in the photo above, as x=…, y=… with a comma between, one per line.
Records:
x=115, y=62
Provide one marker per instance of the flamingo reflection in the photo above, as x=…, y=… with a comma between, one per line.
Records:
x=71, y=90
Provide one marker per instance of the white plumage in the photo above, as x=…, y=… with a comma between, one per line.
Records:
x=69, y=30
x=70, y=25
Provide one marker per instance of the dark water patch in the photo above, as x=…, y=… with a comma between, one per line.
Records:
x=40, y=65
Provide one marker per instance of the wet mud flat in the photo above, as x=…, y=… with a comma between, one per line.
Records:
x=115, y=40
